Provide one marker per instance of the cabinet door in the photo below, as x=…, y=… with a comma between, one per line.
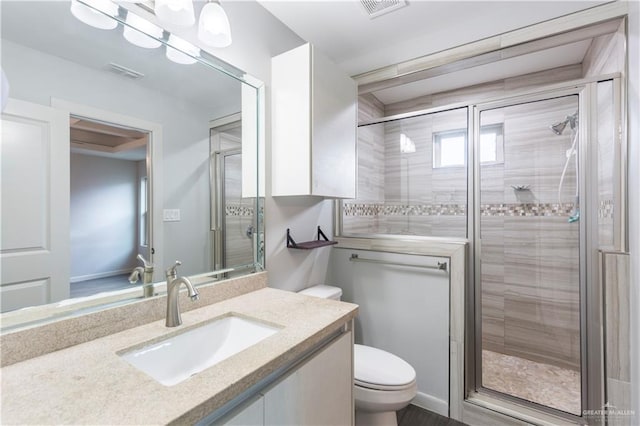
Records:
x=248, y=414
x=318, y=393
x=334, y=130
x=314, y=124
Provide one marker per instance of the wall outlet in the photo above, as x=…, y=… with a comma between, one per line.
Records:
x=171, y=215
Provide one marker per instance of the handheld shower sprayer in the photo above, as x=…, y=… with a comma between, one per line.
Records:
x=558, y=128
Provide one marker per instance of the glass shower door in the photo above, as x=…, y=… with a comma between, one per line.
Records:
x=235, y=234
x=530, y=301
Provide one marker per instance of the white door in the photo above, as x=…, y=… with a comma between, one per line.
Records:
x=34, y=185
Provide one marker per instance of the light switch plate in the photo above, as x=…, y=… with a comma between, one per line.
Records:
x=171, y=215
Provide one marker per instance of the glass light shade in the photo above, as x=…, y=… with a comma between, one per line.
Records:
x=175, y=12
x=213, y=26
x=137, y=32
x=178, y=56
x=93, y=17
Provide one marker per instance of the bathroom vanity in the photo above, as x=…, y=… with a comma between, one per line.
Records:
x=283, y=378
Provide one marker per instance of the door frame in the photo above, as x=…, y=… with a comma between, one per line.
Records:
x=154, y=169
x=591, y=334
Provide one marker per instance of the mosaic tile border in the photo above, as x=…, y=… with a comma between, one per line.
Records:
x=515, y=209
x=239, y=210
x=605, y=209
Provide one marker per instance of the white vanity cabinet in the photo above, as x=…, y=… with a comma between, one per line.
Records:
x=251, y=413
x=318, y=392
x=314, y=125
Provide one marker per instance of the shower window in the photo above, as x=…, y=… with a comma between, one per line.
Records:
x=491, y=144
x=450, y=147
x=400, y=189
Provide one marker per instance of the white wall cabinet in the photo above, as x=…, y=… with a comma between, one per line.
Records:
x=319, y=392
x=314, y=125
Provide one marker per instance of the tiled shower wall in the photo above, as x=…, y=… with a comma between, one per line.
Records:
x=530, y=262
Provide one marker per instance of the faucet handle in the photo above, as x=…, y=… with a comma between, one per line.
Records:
x=172, y=271
x=144, y=261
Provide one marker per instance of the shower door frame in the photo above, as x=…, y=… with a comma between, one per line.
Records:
x=591, y=320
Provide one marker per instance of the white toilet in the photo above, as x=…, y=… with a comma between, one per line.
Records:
x=384, y=383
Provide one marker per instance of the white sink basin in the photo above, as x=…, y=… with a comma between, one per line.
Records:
x=177, y=358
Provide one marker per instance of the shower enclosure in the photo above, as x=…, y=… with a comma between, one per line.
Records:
x=533, y=183
x=233, y=218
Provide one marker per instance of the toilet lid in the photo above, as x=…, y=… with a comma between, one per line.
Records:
x=375, y=368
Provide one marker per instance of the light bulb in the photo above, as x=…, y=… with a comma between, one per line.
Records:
x=138, y=30
x=213, y=26
x=180, y=56
x=94, y=18
x=175, y=12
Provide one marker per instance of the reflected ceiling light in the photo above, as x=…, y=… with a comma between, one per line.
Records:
x=213, y=26
x=179, y=57
x=175, y=12
x=4, y=90
x=94, y=18
x=137, y=29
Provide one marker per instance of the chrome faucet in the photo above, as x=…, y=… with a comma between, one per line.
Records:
x=173, y=290
x=146, y=273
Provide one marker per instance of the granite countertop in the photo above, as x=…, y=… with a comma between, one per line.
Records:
x=90, y=384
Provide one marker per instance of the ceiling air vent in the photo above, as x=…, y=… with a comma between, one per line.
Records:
x=124, y=71
x=377, y=8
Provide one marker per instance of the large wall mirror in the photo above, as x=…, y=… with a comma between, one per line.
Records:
x=119, y=145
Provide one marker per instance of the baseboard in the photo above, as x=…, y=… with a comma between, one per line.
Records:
x=81, y=278
x=431, y=403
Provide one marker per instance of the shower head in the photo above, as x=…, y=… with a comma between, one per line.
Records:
x=571, y=120
x=558, y=128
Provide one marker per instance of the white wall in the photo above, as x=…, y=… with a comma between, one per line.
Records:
x=633, y=80
x=36, y=77
x=103, y=215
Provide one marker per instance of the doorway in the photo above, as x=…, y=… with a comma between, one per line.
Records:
x=109, y=199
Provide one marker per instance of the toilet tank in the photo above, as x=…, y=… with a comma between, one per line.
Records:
x=323, y=291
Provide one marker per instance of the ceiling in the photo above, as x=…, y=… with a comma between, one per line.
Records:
x=344, y=32
x=568, y=54
x=105, y=140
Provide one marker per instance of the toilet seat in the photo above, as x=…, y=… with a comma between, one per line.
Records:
x=380, y=370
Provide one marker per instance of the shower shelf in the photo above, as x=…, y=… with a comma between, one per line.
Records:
x=308, y=245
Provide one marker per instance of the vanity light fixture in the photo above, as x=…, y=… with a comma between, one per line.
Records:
x=213, y=25
x=93, y=17
x=175, y=12
x=179, y=57
x=137, y=29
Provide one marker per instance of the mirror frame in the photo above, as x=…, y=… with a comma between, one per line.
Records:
x=42, y=314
